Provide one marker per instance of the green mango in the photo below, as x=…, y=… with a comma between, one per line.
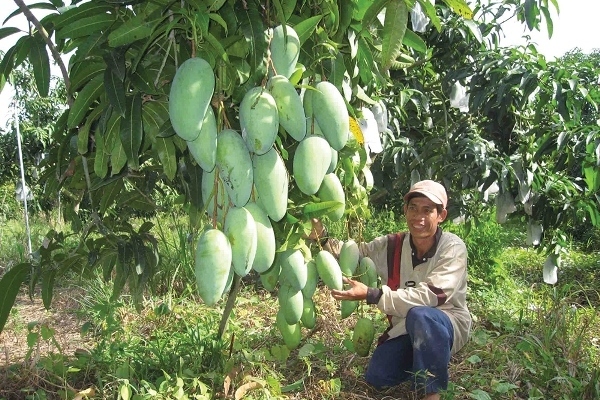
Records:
x=348, y=259
x=235, y=166
x=240, y=230
x=311, y=160
x=291, y=333
x=213, y=264
x=289, y=106
x=362, y=336
x=330, y=111
x=271, y=182
x=265, y=243
x=285, y=50
x=329, y=270
x=293, y=269
x=332, y=190
x=291, y=302
x=309, y=314
x=204, y=148
x=189, y=97
x=259, y=120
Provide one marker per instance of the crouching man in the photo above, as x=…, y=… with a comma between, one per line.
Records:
x=424, y=287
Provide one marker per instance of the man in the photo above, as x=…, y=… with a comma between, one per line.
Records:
x=424, y=285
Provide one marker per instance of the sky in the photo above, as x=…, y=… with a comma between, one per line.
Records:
x=573, y=27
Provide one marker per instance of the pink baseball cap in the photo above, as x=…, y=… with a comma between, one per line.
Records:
x=431, y=189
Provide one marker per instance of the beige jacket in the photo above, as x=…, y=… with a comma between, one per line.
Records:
x=441, y=282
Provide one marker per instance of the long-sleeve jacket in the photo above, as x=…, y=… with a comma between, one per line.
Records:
x=439, y=281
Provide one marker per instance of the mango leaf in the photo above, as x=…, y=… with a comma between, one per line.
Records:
x=194, y=184
x=90, y=92
x=306, y=27
x=531, y=13
x=431, y=13
x=102, y=157
x=461, y=8
x=115, y=61
x=110, y=193
x=315, y=210
x=373, y=11
x=252, y=26
x=136, y=28
x=115, y=91
x=592, y=178
x=118, y=158
x=85, y=26
x=154, y=115
x=364, y=59
x=137, y=201
x=8, y=62
x=131, y=130
x=279, y=11
x=83, y=133
x=396, y=18
x=48, y=278
x=165, y=149
x=10, y=284
x=39, y=6
x=9, y=30
x=83, y=72
x=122, y=270
x=414, y=41
x=72, y=15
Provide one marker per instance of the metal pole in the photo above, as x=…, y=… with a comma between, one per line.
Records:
x=23, y=185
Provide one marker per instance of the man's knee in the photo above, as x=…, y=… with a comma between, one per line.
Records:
x=425, y=321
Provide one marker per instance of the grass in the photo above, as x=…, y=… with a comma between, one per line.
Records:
x=529, y=340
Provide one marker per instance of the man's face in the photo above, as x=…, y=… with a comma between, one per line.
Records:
x=422, y=217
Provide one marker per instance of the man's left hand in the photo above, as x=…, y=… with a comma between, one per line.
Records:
x=357, y=291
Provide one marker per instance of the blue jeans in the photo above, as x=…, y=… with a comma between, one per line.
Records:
x=421, y=356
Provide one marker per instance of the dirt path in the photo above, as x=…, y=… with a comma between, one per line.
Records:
x=27, y=315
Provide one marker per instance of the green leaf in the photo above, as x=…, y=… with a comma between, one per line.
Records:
x=136, y=28
x=315, y=210
x=373, y=11
x=306, y=27
x=431, y=13
x=251, y=24
x=85, y=27
x=8, y=62
x=39, y=6
x=115, y=91
x=396, y=18
x=9, y=30
x=72, y=15
x=531, y=12
x=83, y=72
x=194, y=183
x=165, y=149
x=136, y=201
x=90, y=92
x=48, y=287
x=110, y=193
x=460, y=7
x=115, y=61
x=131, y=130
x=154, y=115
x=102, y=157
x=10, y=284
x=414, y=41
x=118, y=158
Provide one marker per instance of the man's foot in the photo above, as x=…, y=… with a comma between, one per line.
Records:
x=432, y=396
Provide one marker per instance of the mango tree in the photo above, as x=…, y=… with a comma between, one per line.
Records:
x=243, y=108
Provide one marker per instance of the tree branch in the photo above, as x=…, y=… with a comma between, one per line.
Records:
x=55, y=54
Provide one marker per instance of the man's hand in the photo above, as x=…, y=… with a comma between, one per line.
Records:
x=357, y=291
